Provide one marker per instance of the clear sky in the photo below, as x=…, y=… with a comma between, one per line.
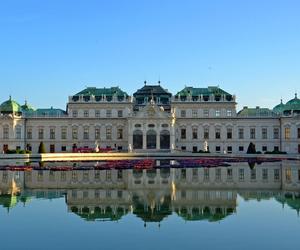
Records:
x=52, y=49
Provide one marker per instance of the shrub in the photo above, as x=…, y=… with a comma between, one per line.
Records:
x=251, y=149
x=276, y=152
x=42, y=148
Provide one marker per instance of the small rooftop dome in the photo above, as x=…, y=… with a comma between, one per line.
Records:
x=10, y=107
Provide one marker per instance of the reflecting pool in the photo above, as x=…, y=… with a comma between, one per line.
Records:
x=237, y=206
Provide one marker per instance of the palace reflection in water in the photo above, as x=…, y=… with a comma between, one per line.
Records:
x=154, y=194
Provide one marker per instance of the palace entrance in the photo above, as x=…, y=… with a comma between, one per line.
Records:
x=151, y=139
x=137, y=139
x=165, y=139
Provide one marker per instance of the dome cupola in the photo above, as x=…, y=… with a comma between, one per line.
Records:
x=10, y=107
x=292, y=106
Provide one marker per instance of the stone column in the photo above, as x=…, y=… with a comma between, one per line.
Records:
x=172, y=138
x=157, y=140
x=144, y=140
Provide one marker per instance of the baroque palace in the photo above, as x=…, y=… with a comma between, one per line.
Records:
x=151, y=119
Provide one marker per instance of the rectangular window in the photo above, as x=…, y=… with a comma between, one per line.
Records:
x=120, y=134
x=288, y=174
x=195, y=149
x=241, y=148
x=18, y=132
x=63, y=176
x=194, y=113
x=264, y=133
x=287, y=133
x=252, y=133
x=298, y=174
x=182, y=113
x=183, y=148
x=206, y=133
x=97, y=175
x=63, y=148
x=206, y=174
x=218, y=133
x=108, y=133
x=229, y=112
x=298, y=133
x=253, y=174
x=276, y=175
x=108, y=175
x=264, y=148
x=52, y=133
x=29, y=133
x=63, y=133
x=206, y=112
x=74, y=176
x=218, y=149
x=74, y=133
x=120, y=174
x=218, y=174
x=108, y=113
x=218, y=113
x=241, y=133
x=120, y=194
x=183, y=174
x=183, y=133
x=195, y=173
x=120, y=113
x=97, y=113
x=74, y=113
x=51, y=175
x=229, y=149
x=86, y=113
x=41, y=134
x=241, y=174
x=276, y=133
x=229, y=174
x=265, y=174
x=195, y=132
x=97, y=133
x=86, y=133
x=5, y=132
x=229, y=133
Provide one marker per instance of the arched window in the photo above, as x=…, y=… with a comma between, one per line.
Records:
x=151, y=139
x=165, y=139
x=137, y=139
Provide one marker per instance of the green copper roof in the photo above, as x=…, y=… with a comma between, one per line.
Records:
x=211, y=90
x=10, y=106
x=27, y=107
x=278, y=109
x=148, y=90
x=48, y=112
x=293, y=104
x=256, y=112
x=113, y=91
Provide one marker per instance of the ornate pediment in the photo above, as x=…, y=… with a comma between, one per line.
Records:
x=152, y=111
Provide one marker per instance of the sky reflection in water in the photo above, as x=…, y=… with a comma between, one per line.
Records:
x=176, y=209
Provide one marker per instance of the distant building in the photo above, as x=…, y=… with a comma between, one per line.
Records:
x=151, y=119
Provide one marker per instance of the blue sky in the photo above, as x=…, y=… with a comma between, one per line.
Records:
x=52, y=49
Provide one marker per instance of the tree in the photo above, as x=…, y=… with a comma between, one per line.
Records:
x=42, y=148
x=251, y=149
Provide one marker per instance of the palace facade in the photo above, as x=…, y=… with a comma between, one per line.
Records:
x=151, y=119
x=154, y=194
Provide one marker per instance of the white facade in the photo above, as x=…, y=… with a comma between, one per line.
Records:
x=191, y=124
